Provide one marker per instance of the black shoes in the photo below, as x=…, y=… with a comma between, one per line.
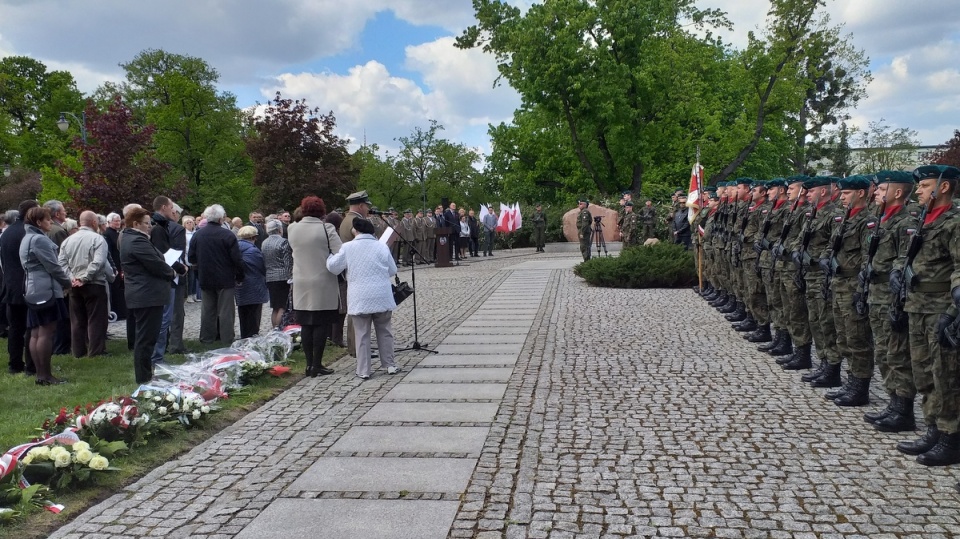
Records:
x=830, y=377
x=777, y=341
x=857, y=394
x=816, y=373
x=921, y=445
x=945, y=453
x=900, y=417
x=800, y=359
x=50, y=381
x=762, y=334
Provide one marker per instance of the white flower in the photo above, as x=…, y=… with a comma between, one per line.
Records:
x=147, y=394
x=156, y=398
x=99, y=463
x=42, y=453
x=79, y=446
x=27, y=459
x=175, y=407
x=162, y=410
x=84, y=456
x=62, y=460
x=196, y=414
x=170, y=397
x=205, y=409
x=57, y=452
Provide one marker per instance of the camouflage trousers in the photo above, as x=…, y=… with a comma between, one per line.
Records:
x=820, y=317
x=585, y=245
x=936, y=373
x=774, y=299
x=794, y=308
x=854, y=338
x=891, y=353
x=756, y=297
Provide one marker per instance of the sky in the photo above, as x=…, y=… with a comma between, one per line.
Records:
x=385, y=67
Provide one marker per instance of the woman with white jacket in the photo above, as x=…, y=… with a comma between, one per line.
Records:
x=369, y=266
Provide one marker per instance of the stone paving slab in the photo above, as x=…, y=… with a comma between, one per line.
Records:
x=478, y=391
x=440, y=412
x=458, y=374
x=359, y=474
x=469, y=360
x=511, y=329
x=411, y=440
x=492, y=323
x=484, y=338
x=486, y=349
x=352, y=519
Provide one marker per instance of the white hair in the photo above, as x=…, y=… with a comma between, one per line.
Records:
x=214, y=213
x=112, y=215
x=274, y=226
x=129, y=207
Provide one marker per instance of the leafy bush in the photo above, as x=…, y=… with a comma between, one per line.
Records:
x=662, y=265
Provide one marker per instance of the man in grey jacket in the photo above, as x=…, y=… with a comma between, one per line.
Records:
x=84, y=255
x=489, y=230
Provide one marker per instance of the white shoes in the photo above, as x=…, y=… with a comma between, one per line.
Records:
x=393, y=370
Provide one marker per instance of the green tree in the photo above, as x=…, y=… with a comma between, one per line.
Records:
x=436, y=168
x=378, y=177
x=884, y=147
x=199, y=130
x=946, y=154
x=296, y=153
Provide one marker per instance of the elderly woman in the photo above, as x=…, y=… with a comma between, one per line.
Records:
x=147, y=288
x=42, y=272
x=369, y=266
x=316, y=294
x=251, y=294
x=278, y=257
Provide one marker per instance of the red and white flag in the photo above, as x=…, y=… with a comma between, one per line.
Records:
x=505, y=220
x=695, y=193
x=517, y=218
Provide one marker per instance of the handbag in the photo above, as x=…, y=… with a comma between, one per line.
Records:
x=401, y=291
x=38, y=289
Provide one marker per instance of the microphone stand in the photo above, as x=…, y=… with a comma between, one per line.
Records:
x=412, y=254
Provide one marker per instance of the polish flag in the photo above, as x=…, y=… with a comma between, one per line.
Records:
x=505, y=221
x=696, y=192
x=517, y=218
x=483, y=213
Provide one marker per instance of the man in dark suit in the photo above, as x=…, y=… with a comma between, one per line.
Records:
x=216, y=254
x=12, y=296
x=452, y=220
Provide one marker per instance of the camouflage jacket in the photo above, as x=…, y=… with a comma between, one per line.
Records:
x=891, y=238
x=937, y=265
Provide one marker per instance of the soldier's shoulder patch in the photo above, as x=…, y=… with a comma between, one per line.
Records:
x=765, y=211
x=838, y=219
x=871, y=224
x=809, y=214
x=909, y=231
x=914, y=214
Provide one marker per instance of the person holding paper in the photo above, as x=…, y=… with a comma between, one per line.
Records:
x=165, y=235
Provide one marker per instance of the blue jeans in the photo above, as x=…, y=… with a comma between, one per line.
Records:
x=161, y=345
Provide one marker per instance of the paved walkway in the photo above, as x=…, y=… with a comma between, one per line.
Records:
x=551, y=410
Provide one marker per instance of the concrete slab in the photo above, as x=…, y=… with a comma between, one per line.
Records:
x=412, y=440
x=509, y=348
x=443, y=412
x=466, y=374
x=349, y=519
x=506, y=329
x=379, y=474
x=490, y=323
x=485, y=338
x=480, y=391
x=435, y=360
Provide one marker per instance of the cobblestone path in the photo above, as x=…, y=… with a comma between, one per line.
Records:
x=552, y=410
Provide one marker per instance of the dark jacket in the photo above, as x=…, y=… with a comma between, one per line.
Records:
x=451, y=220
x=145, y=273
x=474, y=227
x=253, y=289
x=261, y=233
x=10, y=259
x=216, y=254
x=112, y=237
x=166, y=234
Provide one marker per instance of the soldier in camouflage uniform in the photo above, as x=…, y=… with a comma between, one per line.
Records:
x=539, y=228
x=648, y=217
x=791, y=297
x=706, y=219
x=891, y=348
x=777, y=194
x=628, y=228
x=755, y=297
x=933, y=296
x=584, y=228
x=718, y=241
x=743, y=198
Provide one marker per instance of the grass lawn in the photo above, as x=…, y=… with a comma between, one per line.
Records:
x=24, y=406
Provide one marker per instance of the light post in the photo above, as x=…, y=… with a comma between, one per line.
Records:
x=64, y=124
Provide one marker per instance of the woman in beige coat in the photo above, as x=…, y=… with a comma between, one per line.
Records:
x=316, y=293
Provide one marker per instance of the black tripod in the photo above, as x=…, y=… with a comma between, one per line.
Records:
x=598, y=233
x=412, y=254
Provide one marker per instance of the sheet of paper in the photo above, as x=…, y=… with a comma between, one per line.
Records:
x=171, y=256
x=389, y=236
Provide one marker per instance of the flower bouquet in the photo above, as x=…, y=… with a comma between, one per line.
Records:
x=173, y=404
x=60, y=467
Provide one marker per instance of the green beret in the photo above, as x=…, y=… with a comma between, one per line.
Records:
x=758, y=183
x=628, y=203
x=817, y=181
x=855, y=182
x=936, y=171
x=744, y=181
x=894, y=176
x=583, y=199
x=776, y=182
x=794, y=179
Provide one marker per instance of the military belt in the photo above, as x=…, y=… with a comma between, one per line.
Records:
x=846, y=273
x=880, y=278
x=928, y=288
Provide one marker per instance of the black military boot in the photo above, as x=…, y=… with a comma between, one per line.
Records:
x=858, y=395
x=801, y=359
x=748, y=324
x=816, y=372
x=785, y=347
x=876, y=415
x=707, y=289
x=900, y=418
x=762, y=334
x=830, y=377
x=777, y=339
x=712, y=295
x=732, y=305
x=921, y=445
x=739, y=315
x=840, y=391
x=945, y=453
x=721, y=299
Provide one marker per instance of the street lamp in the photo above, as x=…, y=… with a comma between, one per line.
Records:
x=64, y=124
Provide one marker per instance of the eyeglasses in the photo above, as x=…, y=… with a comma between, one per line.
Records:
x=146, y=223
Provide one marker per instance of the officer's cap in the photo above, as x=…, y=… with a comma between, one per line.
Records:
x=360, y=197
x=408, y=210
x=935, y=171
x=744, y=181
x=855, y=182
x=894, y=176
x=391, y=210
x=817, y=181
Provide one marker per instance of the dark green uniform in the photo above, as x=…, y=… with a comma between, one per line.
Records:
x=539, y=229
x=585, y=231
x=648, y=218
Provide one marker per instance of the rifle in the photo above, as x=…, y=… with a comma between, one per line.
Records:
x=866, y=274
x=900, y=281
x=762, y=244
x=803, y=258
x=777, y=251
x=738, y=247
x=833, y=266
